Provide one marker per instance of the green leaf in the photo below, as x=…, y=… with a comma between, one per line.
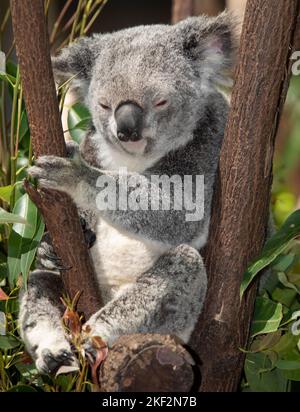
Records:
x=283, y=263
x=273, y=248
x=27, y=258
x=267, y=316
x=25, y=208
x=79, y=120
x=264, y=342
x=22, y=388
x=260, y=375
x=5, y=193
x=288, y=364
x=11, y=69
x=284, y=296
x=6, y=217
x=24, y=127
x=20, y=238
x=7, y=78
x=284, y=280
x=9, y=342
x=287, y=346
x=3, y=270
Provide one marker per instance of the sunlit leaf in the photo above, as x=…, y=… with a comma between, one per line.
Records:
x=6, y=217
x=267, y=316
x=273, y=247
x=5, y=193
x=21, y=236
x=27, y=257
x=79, y=120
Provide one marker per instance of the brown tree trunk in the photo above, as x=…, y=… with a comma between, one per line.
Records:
x=60, y=214
x=209, y=7
x=182, y=9
x=241, y=203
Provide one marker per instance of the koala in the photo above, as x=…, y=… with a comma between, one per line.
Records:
x=156, y=109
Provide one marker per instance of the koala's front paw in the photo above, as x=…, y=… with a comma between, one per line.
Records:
x=57, y=173
x=49, y=362
x=50, y=358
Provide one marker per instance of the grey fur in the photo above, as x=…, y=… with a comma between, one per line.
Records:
x=164, y=280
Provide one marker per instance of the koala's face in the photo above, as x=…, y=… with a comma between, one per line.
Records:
x=146, y=87
x=142, y=96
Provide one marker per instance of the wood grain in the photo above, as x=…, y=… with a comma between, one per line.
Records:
x=182, y=9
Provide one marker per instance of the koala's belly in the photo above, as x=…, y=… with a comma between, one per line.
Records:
x=119, y=260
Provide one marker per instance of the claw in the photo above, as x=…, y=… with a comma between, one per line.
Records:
x=53, y=362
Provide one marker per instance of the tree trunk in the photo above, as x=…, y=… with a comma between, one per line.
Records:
x=242, y=194
x=209, y=7
x=182, y=9
x=60, y=214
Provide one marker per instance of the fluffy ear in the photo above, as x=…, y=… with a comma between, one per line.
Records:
x=210, y=43
x=75, y=63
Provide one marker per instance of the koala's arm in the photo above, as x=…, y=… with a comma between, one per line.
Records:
x=81, y=181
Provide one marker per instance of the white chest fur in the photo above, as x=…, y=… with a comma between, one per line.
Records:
x=119, y=259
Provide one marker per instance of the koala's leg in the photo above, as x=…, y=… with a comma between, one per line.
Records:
x=166, y=299
x=40, y=321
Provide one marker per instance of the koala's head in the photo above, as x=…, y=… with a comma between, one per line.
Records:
x=147, y=87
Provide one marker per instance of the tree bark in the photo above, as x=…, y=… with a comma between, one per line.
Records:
x=59, y=212
x=209, y=7
x=242, y=194
x=182, y=9
x=148, y=363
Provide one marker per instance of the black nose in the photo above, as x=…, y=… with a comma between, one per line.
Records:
x=129, y=119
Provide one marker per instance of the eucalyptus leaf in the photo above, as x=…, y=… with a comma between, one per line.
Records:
x=260, y=375
x=6, y=217
x=275, y=246
x=284, y=280
x=79, y=120
x=5, y=193
x=21, y=236
x=267, y=316
x=24, y=127
x=9, y=342
x=27, y=258
x=288, y=364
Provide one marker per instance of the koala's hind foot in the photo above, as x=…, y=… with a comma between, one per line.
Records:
x=40, y=321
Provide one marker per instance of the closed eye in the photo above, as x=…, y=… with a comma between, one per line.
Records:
x=161, y=103
x=104, y=106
